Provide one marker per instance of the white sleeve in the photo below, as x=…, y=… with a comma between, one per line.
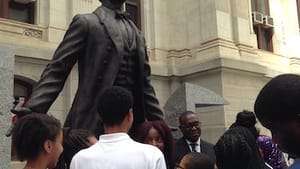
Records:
x=160, y=162
x=74, y=163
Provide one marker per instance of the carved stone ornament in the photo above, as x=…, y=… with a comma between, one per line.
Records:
x=33, y=33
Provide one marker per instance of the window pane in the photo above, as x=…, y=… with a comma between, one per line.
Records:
x=262, y=6
x=132, y=10
x=18, y=11
x=253, y=5
x=18, y=14
x=264, y=38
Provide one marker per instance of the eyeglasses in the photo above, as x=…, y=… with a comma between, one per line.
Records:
x=191, y=125
x=177, y=166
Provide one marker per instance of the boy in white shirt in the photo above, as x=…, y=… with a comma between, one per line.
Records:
x=115, y=149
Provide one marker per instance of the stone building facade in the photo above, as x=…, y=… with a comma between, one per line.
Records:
x=232, y=47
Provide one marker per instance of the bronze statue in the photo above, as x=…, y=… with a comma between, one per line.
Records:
x=110, y=51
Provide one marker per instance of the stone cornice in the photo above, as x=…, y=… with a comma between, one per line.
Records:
x=246, y=48
x=179, y=53
x=217, y=42
x=213, y=64
x=294, y=61
x=22, y=29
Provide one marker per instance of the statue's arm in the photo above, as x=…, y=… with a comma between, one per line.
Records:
x=153, y=111
x=55, y=74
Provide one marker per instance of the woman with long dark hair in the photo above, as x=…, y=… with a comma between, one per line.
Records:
x=157, y=133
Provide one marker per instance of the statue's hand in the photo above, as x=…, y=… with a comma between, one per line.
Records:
x=22, y=111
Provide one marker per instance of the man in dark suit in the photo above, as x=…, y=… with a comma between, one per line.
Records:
x=191, y=142
x=110, y=51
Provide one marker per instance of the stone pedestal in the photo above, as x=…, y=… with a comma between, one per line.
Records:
x=6, y=99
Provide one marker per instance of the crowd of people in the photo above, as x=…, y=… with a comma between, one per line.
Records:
x=115, y=121
x=41, y=141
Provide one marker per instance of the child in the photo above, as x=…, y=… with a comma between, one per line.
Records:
x=37, y=138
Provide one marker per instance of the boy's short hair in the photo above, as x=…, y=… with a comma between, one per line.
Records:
x=198, y=160
x=114, y=105
x=278, y=100
x=30, y=133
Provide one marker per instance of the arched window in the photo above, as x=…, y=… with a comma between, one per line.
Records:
x=22, y=91
x=133, y=7
x=22, y=88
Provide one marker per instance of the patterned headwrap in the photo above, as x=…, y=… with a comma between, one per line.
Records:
x=272, y=154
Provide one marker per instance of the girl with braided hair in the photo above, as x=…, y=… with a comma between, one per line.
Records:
x=268, y=150
x=246, y=119
x=237, y=149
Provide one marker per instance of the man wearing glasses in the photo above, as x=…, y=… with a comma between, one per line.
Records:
x=191, y=142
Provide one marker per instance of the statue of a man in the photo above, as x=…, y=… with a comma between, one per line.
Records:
x=110, y=51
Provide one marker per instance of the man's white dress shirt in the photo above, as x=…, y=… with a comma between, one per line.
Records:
x=118, y=151
x=197, y=145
